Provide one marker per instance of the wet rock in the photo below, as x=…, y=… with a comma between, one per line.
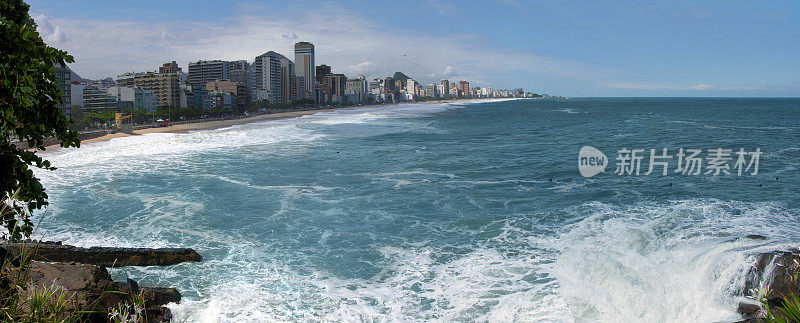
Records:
x=106, y=256
x=755, y=237
x=158, y=314
x=775, y=274
x=161, y=295
x=152, y=295
x=91, y=288
x=84, y=285
x=749, y=309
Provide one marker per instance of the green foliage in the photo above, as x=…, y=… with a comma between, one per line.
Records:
x=29, y=112
x=788, y=312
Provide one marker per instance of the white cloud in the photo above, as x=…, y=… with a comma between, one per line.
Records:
x=349, y=43
x=449, y=71
x=702, y=87
x=361, y=68
x=52, y=35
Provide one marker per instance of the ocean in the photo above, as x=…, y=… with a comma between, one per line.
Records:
x=464, y=211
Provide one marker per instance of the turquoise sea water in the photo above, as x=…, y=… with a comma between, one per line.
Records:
x=462, y=211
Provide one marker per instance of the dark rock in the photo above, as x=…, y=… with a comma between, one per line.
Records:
x=749, y=309
x=777, y=274
x=161, y=295
x=756, y=237
x=134, y=285
x=92, y=289
x=106, y=256
x=158, y=314
x=154, y=296
x=84, y=284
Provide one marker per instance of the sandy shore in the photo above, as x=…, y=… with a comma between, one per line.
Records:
x=208, y=125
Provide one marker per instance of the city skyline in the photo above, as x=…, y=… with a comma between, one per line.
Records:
x=563, y=49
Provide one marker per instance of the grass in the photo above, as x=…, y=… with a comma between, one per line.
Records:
x=22, y=302
x=788, y=312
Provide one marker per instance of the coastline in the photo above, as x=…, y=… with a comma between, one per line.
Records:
x=217, y=124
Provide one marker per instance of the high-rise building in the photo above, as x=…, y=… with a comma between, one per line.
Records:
x=321, y=71
x=202, y=72
x=76, y=91
x=445, y=88
x=273, y=76
x=169, y=68
x=63, y=76
x=237, y=91
x=463, y=87
x=335, y=84
x=300, y=92
x=410, y=85
x=166, y=86
x=440, y=91
x=95, y=97
x=304, y=60
x=410, y=90
x=240, y=72
x=356, y=89
x=238, y=65
x=430, y=91
x=133, y=98
x=375, y=88
x=388, y=84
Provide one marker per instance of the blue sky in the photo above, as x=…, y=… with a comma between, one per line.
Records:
x=560, y=47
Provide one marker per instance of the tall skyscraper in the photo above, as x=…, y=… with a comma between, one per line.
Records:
x=445, y=88
x=240, y=72
x=202, y=72
x=273, y=76
x=304, y=60
x=169, y=68
x=464, y=88
x=322, y=70
x=166, y=86
x=335, y=84
x=63, y=75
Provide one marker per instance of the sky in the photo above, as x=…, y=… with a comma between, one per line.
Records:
x=729, y=48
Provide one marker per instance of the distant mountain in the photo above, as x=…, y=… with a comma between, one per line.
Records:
x=401, y=76
x=75, y=77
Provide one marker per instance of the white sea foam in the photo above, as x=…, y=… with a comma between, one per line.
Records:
x=413, y=287
x=683, y=261
x=651, y=261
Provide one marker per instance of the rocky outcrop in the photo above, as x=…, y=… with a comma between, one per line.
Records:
x=91, y=288
x=104, y=256
x=78, y=274
x=775, y=274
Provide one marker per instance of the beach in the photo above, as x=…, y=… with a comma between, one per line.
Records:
x=216, y=124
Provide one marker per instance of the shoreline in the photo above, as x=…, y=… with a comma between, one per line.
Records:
x=218, y=124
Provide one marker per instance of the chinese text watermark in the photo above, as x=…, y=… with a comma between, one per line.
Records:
x=692, y=162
